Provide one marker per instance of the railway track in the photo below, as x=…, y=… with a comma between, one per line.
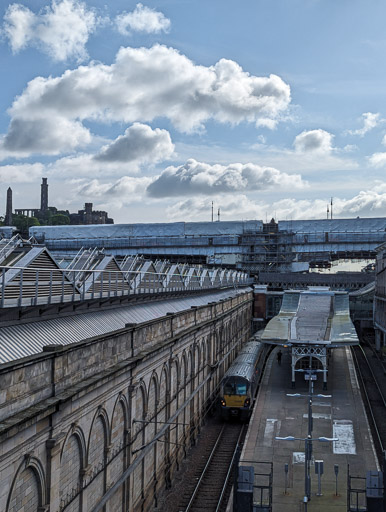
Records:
x=374, y=398
x=208, y=488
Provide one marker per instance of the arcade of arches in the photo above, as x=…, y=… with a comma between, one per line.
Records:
x=104, y=424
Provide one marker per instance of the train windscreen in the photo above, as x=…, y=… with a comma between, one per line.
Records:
x=235, y=386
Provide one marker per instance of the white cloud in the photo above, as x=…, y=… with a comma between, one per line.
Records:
x=19, y=173
x=368, y=203
x=318, y=141
x=378, y=160
x=370, y=121
x=60, y=30
x=142, y=19
x=201, y=178
x=137, y=88
x=125, y=190
x=45, y=135
x=384, y=140
x=140, y=144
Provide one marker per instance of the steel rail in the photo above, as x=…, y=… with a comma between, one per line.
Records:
x=367, y=396
x=374, y=377
x=195, y=491
x=229, y=470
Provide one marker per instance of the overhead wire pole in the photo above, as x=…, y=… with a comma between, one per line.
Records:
x=308, y=440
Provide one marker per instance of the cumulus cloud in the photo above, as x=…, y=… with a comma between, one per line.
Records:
x=141, y=144
x=201, y=178
x=378, y=160
x=142, y=19
x=370, y=121
x=44, y=135
x=19, y=173
x=318, y=141
x=368, y=203
x=61, y=30
x=128, y=188
x=137, y=88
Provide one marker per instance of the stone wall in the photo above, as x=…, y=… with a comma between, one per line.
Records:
x=80, y=424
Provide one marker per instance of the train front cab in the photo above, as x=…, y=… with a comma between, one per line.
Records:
x=236, y=398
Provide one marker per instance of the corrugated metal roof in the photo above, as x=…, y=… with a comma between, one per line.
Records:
x=17, y=341
x=317, y=317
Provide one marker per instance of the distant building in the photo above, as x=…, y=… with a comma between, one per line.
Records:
x=44, y=195
x=45, y=213
x=89, y=216
x=380, y=298
x=8, y=212
x=251, y=246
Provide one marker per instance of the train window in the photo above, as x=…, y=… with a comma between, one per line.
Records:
x=229, y=388
x=235, y=386
x=241, y=388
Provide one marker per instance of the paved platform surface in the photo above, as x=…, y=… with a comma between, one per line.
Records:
x=341, y=416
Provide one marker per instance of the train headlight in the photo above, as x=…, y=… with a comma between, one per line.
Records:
x=247, y=402
x=223, y=402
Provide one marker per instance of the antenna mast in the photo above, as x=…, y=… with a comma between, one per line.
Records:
x=212, y=211
x=331, y=208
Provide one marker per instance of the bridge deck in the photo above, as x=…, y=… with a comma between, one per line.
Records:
x=341, y=416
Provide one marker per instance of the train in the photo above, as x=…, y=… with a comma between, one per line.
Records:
x=239, y=385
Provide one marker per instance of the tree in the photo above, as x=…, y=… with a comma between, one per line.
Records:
x=60, y=220
x=23, y=223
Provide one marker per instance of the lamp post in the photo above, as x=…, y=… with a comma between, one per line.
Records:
x=308, y=451
x=307, y=440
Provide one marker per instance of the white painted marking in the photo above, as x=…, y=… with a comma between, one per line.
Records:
x=269, y=432
x=352, y=372
x=344, y=431
x=321, y=404
x=289, y=418
x=318, y=416
x=298, y=458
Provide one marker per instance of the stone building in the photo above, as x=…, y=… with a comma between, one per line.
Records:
x=103, y=424
x=8, y=211
x=380, y=298
x=89, y=216
x=86, y=216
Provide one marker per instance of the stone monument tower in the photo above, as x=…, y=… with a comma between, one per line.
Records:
x=44, y=196
x=8, y=212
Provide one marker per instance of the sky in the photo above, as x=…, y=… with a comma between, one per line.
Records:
x=154, y=110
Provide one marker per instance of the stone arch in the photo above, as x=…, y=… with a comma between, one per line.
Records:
x=174, y=378
x=72, y=461
x=163, y=388
x=33, y=484
x=152, y=396
x=79, y=434
x=174, y=399
x=150, y=429
x=203, y=351
x=119, y=422
x=184, y=416
x=140, y=408
x=97, y=456
x=162, y=417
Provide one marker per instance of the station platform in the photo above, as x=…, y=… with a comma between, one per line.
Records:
x=341, y=416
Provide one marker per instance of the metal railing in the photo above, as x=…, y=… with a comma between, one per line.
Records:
x=26, y=286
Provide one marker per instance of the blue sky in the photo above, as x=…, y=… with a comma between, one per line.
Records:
x=153, y=110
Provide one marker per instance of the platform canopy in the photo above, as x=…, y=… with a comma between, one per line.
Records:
x=312, y=317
